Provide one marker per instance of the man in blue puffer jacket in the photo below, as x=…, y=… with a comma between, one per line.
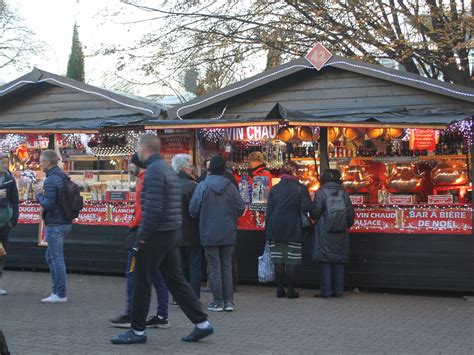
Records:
x=57, y=224
x=157, y=247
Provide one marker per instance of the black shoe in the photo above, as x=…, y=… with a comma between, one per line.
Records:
x=198, y=334
x=292, y=294
x=129, y=337
x=122, y=321
x=281, y=293
x=318, y=295
x=158, y=322
x=174, y=304
x=336, y=295
x=229, y=307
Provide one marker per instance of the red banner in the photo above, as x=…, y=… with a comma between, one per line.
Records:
x=447, y=220
x=30, y=213
x=376, y=219
x=121, y=214
x=94, y=214
x=172, y=144
x=423, y=139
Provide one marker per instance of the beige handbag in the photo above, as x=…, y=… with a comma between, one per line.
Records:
x=2, y=250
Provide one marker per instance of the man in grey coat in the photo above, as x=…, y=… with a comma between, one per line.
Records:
x=217, y=204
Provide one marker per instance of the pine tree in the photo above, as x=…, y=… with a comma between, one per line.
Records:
x=75, y=65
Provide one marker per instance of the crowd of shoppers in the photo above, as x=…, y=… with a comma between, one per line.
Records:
x=177, y=216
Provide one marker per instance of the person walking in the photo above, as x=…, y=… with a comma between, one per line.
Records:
x=191, y=255
x=58, y=225
x=335, y=215
x=217, y=203
x=283, y=229
x=160, y=320
x=9, y=211
x=157, y=245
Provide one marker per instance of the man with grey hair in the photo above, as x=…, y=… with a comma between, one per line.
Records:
x=191, y=254
x=58, y=225
x=157, y=245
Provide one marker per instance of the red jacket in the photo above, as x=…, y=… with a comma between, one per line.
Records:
x=137, y=216
x=262, y=171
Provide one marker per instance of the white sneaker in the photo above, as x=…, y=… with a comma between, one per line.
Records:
x=3, y=292
x=54, y=299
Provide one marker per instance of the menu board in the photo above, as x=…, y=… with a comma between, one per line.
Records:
x=175, y=143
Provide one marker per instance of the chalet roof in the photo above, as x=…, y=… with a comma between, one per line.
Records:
x=301, y=64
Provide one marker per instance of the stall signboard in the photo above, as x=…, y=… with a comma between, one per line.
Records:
x=29, y=213
x=177, y=143
x=445, y=220
x=376, y=219
x=94, y=214
x=251, y=133
x=440, y=199
x=423, y=139
x=121, y=214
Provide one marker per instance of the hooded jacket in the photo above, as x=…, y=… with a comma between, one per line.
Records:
x=217, y=204
x=9, y=184
x=331, y=246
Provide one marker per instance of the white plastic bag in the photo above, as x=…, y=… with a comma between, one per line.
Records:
x=266, y=269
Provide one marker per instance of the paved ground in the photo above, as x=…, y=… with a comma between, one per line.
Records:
x=360, y=323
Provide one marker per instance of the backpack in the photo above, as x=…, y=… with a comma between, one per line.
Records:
x=336, y=215
x=71, y=200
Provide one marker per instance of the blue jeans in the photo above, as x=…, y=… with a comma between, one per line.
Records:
x=219, y=260
x=161, y=290
x=332, y=279
x=55, y=256
x=191, y=258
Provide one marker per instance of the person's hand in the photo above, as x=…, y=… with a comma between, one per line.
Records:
x=3, y=193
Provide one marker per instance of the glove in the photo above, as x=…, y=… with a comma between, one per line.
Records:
x=131, y=239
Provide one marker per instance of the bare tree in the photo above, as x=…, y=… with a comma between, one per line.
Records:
x=17, y=42
x=428, y=37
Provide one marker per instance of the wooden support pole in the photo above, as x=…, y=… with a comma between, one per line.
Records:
x=323, y=150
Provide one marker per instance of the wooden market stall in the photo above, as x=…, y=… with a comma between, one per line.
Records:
x=85, y=125
x=403, y=142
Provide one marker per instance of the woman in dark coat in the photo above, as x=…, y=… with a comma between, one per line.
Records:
x=283, y=227
x=335, y=215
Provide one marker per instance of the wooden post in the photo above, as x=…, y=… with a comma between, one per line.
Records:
x=323, y=150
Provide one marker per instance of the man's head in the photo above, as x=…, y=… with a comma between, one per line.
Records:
x=331, y=175
x=4, y=162
x=217, y=165
x=290, y=168
x=148, y=145
x=256, y=159
x=182, y=163
x=49, y=159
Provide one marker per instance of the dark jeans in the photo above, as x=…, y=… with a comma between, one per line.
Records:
x=4, y=237
x=191, y=258
x=3, y=345
x=161, y=252
x=219, y=261
x=161, y=290
x=332, y=279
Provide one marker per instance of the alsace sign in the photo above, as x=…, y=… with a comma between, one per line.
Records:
x=318, y=56
x=251, y=133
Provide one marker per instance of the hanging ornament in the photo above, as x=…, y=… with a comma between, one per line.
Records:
x=11, y=142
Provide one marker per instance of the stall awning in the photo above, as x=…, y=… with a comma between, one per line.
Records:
x=87, y=125
x=394, y=117
x=388, y=116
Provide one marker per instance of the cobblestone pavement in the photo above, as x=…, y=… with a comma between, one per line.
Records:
x=360, y=323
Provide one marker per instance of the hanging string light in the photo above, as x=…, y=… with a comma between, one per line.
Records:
x=11, y=141
x=212, y=135
x=463, y=127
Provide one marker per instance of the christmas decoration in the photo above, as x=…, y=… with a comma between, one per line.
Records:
x=11, y=142
x=212, y=135
x=465, y=128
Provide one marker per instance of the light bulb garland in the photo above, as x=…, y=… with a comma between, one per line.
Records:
x=213, y=135
x=11, y=141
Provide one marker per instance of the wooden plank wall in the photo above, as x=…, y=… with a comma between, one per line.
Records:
x=47, y=101
x=331, y=90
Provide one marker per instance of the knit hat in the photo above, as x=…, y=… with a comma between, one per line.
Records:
x=217, y=165
x=135, y=160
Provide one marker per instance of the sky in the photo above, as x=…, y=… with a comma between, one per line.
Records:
x=53, y=21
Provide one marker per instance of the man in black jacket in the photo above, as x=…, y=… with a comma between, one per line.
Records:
x=9, y=210
x=157, y=245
